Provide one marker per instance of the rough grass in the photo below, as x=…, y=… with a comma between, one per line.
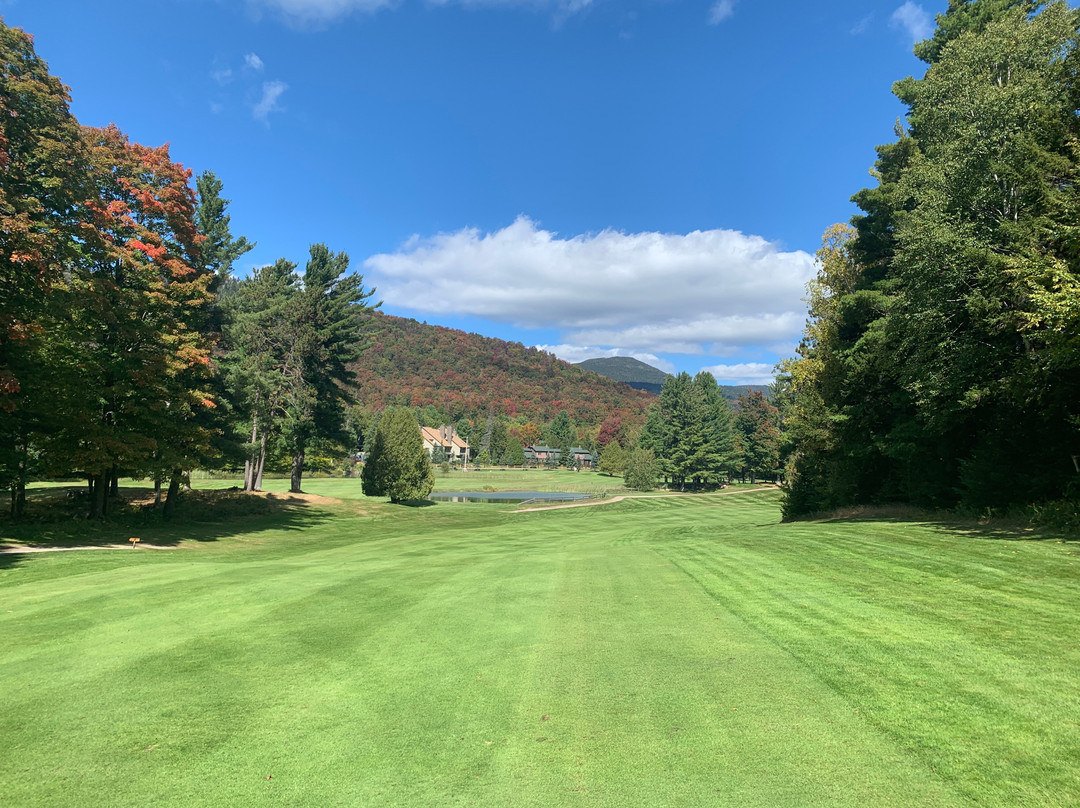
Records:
x=676, y=651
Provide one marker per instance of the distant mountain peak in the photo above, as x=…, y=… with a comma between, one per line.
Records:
x=643, y=376
x=625, y=369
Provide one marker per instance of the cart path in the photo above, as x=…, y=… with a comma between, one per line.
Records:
x=621, y=497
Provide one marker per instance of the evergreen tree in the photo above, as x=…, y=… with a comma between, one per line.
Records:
x=757, y=423
x=569, y=459
x=560, y=432
x=397, y=465
x=329, y=318
x=679, y=434
x=642, y=470
x=290, y=343
x=516, y=453
x=219, y=250
x=262, y=364
x=499, y=445
x=719, y=429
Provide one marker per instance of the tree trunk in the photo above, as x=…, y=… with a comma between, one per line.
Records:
x=157, y=489
x=297, y=471
x=18, y=498
x=261, y=463
x=174, y=493
x=97, y=497
x=114, y=482
x=249, y=464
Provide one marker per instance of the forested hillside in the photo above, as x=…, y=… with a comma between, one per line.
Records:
x=467, y=375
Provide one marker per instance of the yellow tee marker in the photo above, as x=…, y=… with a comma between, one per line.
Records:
x=134, y=540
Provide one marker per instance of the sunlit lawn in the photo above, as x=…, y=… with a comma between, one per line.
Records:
x=678, y=651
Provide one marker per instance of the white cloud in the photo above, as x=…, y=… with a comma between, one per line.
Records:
x=321, y=12
x=271, y=92
x=862, y=25
x=222, y=76
x=720, y=335
x=743, y=373
x=720, y=11
x=913, y=19
x=253, y=61
x=704, y=292
x=579, y=353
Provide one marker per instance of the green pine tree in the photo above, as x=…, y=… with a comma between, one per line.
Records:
x=397, y=465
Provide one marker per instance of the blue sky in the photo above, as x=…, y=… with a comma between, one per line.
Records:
x=593, y=176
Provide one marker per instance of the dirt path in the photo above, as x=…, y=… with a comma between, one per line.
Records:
x=12, y=549
x=620, y=498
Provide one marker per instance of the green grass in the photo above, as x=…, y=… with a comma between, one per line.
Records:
x=586, y=482
x=679, y=651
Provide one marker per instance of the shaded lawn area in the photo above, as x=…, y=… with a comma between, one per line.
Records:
x=56, y=517
x=683, y=651
x=541, y=479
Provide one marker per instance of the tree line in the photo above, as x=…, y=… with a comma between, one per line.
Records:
x=693, y=437
x=940, y=363
x=126, y=346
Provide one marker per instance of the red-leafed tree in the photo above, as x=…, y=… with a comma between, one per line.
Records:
x=611, y=429
x=138, y=332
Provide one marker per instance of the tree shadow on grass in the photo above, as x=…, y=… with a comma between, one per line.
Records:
x=201, y=516
x=417, y=503
x=994, y=529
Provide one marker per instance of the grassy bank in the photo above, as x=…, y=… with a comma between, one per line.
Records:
x=682, y=651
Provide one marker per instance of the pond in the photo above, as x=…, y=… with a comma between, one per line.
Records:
x=509, y=497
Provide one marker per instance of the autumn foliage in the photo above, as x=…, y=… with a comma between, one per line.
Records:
x=462, y=375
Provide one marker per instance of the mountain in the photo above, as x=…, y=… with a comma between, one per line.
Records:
x=642, y=376
x=465, y=375
x=633, y=372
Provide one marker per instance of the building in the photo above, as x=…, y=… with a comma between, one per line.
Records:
x=454, y=447
x=541, y=455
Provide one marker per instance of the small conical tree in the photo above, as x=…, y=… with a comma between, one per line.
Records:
x=397, y=466
x=568, y=458
x=516, y=453
x=613, y=460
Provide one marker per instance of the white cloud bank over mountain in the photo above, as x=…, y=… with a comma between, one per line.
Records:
x=716, y=292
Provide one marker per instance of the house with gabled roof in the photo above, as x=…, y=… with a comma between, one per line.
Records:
x=453, y=445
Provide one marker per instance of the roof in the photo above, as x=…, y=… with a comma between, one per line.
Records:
x=433, y=435
x=550, y=449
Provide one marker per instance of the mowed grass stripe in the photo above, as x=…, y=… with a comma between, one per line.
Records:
x=654, y=701
x=243, y=643
x=687, y=651
x=939, y=668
